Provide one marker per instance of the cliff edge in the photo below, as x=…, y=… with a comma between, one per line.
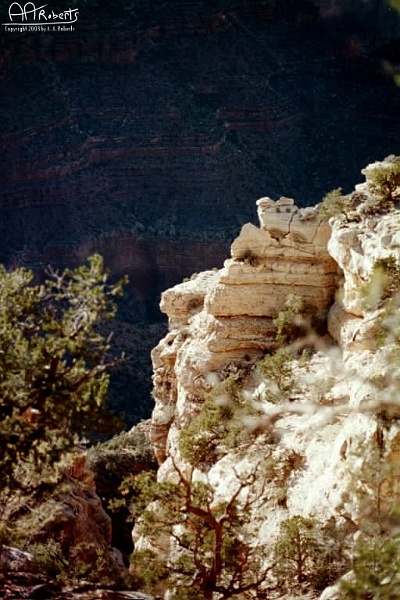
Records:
x=295, y=340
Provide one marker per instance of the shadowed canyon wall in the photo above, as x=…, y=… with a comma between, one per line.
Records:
x=147, y=138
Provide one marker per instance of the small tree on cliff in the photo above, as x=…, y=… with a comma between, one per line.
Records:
x=54, y=367
x=308, y=554
x=205, y=554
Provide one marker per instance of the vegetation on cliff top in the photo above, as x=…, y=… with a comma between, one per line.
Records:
x=379, y=194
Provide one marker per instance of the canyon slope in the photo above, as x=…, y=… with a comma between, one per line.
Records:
x=326, y=417
x=147, y=137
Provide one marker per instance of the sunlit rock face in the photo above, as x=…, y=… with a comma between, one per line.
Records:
x=286, y=255
x=356, y=247
x=365, y=241
x=147, y=125
x=334, y=430
x=148, y=139
x=225, y=316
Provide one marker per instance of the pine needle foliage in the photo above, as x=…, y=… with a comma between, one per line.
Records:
x=375, y=572
x=200, y=550
x=383, y=181
x=54, y=367
x=334, y=204
x=219, y=425
x=384, y=282
x=307, y=555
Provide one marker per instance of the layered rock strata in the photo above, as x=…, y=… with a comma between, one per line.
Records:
x=122, y=118
x=136, y=138
x=338, y=433
x=225, y=317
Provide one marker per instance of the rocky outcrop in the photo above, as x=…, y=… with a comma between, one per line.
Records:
x=76, y=550
x=137, y=136
x=226, y=317
x=365, y=241
x=357, y=247
x=286, y=255
x=72, y=522
x=122, y=121
x=13, y=559
x=28, y=585
x=337, y=433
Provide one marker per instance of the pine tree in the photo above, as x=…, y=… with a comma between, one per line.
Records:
x=54, y=367
x=201, y=548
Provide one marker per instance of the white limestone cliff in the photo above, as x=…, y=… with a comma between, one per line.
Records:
x=225, y=317
x=222, y=322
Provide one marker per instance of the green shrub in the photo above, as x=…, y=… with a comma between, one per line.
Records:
x=292, y=321
x=54, y=368
x=278, y=371
x=307, y=554
x=49, y=559
x=85, y=563
x=383, y=182
x=148, y=570
x=334, y=204
x=375, y=569
x=383, y=284
x=381, y=193
x=211, y=556
x=218, y=426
